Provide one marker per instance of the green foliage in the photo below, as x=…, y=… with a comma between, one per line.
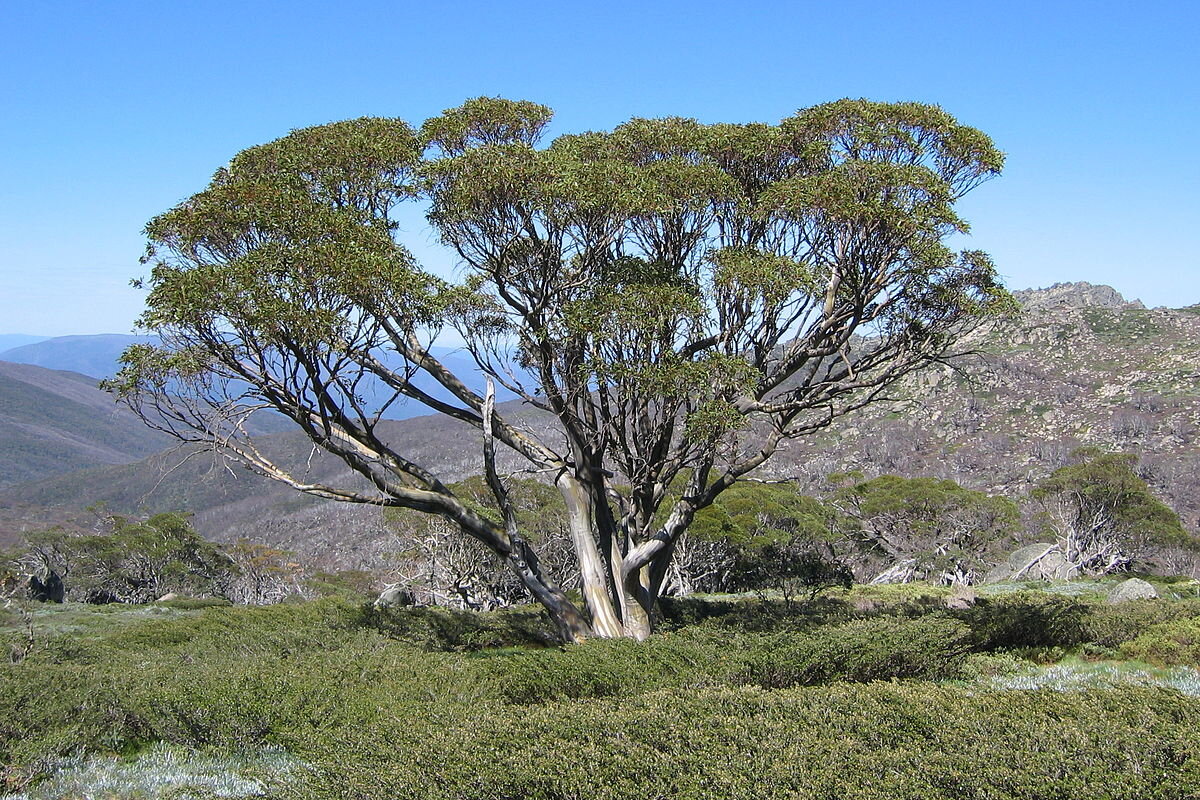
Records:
x=930, y=648
x=770, y=537
x=944, y=528
x=755, y=514
x=1176, y=642
x=668, y=288
x=1113, y=625
x=1026, y=619
x=1103, y=492
x=449, y=629
x=485, y=121
x=606, y=668
x=135, y=561
x=683, y=715
x=894, y=741
x=351, y=584
x=793, y=569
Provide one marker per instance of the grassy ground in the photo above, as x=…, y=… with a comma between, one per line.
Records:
x=880, y=692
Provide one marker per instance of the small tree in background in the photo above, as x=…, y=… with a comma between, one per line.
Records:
x=925, y=528
x=767, y=536
x=263, y=575
x=1103, y=517
x=132, y=561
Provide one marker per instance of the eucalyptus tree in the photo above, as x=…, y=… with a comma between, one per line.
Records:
x=680, y=298
x=1104, y=518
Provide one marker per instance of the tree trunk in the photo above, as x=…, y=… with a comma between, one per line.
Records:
x=639, y=603
x=606, y=622
x=571, y=625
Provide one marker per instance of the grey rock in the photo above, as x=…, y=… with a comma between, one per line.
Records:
x=1040, y=562
x=1080, y=294
x=962, y=598
x=47, y=587
x=1132, y=589
x=394, y=597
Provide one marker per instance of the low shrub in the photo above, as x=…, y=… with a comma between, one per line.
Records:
x=611, y=667
x=1169, y=643
x=884, y=648
x=193, y=603
x=446, y=629
x=672, y=717
x=1112, y=625
x=845, y=741
x=1025, y=619
x=931, y=648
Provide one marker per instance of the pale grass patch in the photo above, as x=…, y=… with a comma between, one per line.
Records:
x=163, y=771
x=1082, y=676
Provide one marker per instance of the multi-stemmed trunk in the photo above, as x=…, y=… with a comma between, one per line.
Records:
x=620, y=595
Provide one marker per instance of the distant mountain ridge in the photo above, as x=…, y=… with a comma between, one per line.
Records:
x=10, y=340
x=98, y=356
x=53, y=421
x=95, y=355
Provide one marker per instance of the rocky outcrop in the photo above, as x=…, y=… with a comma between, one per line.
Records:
x=1080, y=294
x=395, y=597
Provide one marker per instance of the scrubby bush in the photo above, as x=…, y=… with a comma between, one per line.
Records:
x=1026, y=619
x=794, y=570
x=931, y=648
x=131, y=560
x=449, y=629
x=1169, y=643
x=851, y=742
x=1111, y=625
x=605, y=668
x=925, y=528
x=388, y=712
x=1104, y=517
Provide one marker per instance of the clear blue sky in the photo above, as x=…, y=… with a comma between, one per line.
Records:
x=114, y=111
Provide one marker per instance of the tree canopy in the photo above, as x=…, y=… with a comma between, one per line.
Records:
x=1103, y=516
x=680, y=298
x=926, y=527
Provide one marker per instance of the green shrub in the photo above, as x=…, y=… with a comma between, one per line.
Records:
x=379, y=718
x=753, y=615
x=611, y=667
x=449, y=629
x=1112, y=625
x=193, y=603
x=1175, y=642
x=931, y=648
x=851, y=742
x=1026, y=619
x=879, y=649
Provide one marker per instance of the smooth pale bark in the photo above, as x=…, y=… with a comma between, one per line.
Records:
x=521, y=557
x=605, y=620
